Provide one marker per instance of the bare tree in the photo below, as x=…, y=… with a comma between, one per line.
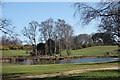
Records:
x=5, y=29
x=60, y=32
x=43, y=29
x=31, y=34
x=55, y=38
x=68, y=37
x=64, y=34
x=107, y=12
x=50, y=30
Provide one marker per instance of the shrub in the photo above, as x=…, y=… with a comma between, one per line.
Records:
x=91, y=44
x=5, y=48
x=85, y=45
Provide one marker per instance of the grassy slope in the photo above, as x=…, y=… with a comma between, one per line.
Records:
x=14, y=53
x=93, y=75
x=90, y=51
x=93, y=51
x=12, y=70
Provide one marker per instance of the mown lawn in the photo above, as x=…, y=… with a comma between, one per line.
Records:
x=14, y=70
x=93, y=75
x=7, y=53
x=93, y=51
x=90, y=51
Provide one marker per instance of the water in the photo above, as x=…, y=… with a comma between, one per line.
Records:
x=83, y=60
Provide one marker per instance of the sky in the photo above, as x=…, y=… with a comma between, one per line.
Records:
x=22, y=13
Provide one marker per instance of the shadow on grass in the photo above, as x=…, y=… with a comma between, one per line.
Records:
x=70, y=77
x=99, y=63
x=86, y=77
x=76, y=78
x=10, y=75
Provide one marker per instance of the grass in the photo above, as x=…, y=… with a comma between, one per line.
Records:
x=14, y=70
x=90, y=51
x=7, y=53
x=93, y=75
x=93, y=51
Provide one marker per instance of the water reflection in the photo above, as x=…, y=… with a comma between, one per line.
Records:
x=83, y=60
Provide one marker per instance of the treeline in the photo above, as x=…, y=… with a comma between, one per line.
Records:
x=7, y=40
x=47, y=31
x=52, y=37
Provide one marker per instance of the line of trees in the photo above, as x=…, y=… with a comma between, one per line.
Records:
x=58, y=31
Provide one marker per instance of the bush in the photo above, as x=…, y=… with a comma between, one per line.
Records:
x=97, y=44
x=91, y=44
x=78, y=47
x=85, y=45
x=5, y=48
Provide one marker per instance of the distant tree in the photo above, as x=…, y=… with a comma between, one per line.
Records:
x=107, y=38
x=80, y=39
x=6, y=40
x=84, y=38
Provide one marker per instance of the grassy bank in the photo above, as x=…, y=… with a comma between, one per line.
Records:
x=14, y=70
x=90, y=51
x=93, y=51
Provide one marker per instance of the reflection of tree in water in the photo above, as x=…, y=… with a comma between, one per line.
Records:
x=68, y=61
x=42, y=61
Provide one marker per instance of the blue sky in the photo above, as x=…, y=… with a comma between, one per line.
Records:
x=21, y=13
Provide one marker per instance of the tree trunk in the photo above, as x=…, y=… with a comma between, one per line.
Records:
x=68, y=49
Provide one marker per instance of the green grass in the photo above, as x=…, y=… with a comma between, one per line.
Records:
x=93, y=51
x=7, y=53
x=90, y=51
x=93, y=75
x=13, y=70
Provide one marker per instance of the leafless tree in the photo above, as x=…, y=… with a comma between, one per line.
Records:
x=68, y=37
x=43, y=29
x=31, y=34
x=5, y=29
x=64, y=34
x=107, y=12
x=50, y=30
x=60, y=32
x=55, y=39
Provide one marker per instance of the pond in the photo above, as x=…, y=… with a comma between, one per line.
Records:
x=82, y=60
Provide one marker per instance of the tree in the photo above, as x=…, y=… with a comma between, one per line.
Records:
x=43, y=29
x=51, y=46
x=107, y=12
x=5, y=29
x=31, y=34
x=60, y=32
x=64, y=35
x=68, y=38
x=41, y=48
x=106, y=38
x=50, y=30
x=10, y=41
